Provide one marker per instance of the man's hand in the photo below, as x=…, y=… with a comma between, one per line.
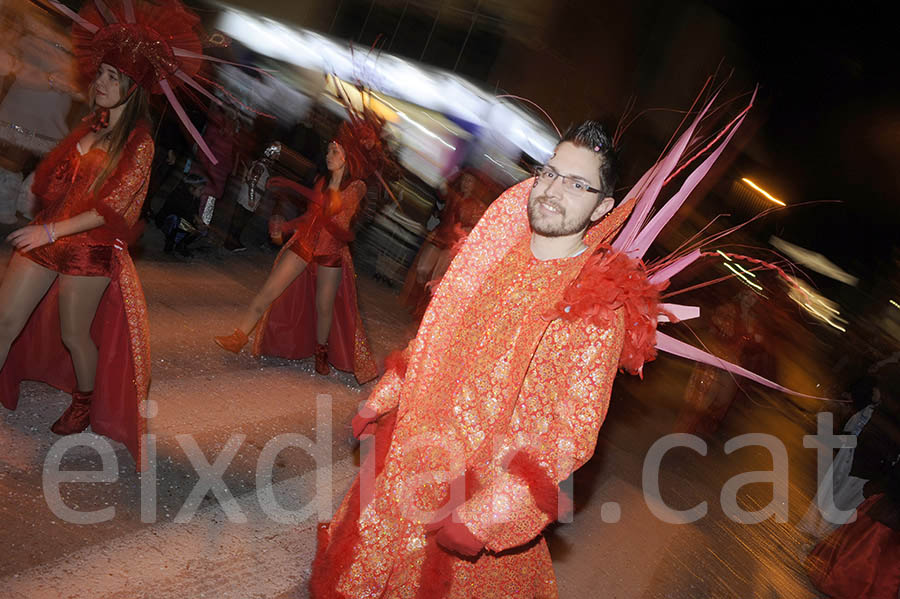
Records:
x=28, y=238
x=364, y=422
x=455, y=537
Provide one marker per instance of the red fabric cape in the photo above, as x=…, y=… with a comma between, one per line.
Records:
x=288, y=328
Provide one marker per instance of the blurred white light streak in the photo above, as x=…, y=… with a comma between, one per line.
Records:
x=763, y=191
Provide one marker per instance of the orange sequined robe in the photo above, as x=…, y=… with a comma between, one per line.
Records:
x=288, y=328
x=490, y=392
x=120, y=328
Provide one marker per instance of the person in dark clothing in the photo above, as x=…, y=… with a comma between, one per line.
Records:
x=178, y=216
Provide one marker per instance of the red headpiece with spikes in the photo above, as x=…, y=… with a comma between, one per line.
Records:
x=159, y=46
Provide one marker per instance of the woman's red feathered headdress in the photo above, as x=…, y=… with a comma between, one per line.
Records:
x=159, y=46
x=362, y=147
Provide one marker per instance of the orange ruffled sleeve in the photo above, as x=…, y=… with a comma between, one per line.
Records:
x=120, y=199
x=562, y=404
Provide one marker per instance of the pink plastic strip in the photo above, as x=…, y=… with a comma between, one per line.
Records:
x=105, y=12
x=680, y=348
x=656, y=224
x=129, y=11
x=661, y=169
x=666, y=273
x=681, y=313
x=185, y=120
x=188, y=54
x=91, y=28
x=187, y=79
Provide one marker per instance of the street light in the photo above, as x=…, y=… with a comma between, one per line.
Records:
x=762, y=191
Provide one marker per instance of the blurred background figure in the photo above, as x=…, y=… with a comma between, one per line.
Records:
x=735, y=336
x=465, y=202
x=862, y=558
x=172, y=148
x=177, y=218
x=221, y=135
x=37, y=91
x=846, y=489
x=251, y=193
x=298, y=304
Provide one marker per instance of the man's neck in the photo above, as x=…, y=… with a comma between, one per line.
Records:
x=553, y=248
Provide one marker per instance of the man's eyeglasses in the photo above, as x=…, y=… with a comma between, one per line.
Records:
x=547, y=175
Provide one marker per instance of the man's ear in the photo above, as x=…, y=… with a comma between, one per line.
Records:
x=605, y=205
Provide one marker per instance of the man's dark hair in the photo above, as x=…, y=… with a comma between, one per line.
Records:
x=593, y=136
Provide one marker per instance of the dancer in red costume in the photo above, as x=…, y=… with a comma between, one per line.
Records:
x=460, y=215
x=72, y=310
x=92, y=187
x=305, y=311
x=501, y=393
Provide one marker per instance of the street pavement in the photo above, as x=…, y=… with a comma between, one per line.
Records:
x=206, y=403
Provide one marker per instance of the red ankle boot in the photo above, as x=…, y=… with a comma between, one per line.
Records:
x=77, y=416
x=322, y=359
x=233, y=342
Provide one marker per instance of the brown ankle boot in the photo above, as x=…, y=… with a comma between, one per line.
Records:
x=77, y=416
x=322, y=359
x=233, y=342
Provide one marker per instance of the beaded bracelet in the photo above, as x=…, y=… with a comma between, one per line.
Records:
x=49, y=234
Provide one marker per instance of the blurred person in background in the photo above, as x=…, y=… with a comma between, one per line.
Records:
x=221, y=135
x=274, y=158
x=251, y=193
x=465, y=203
x=36, y=60
x=303, y=311
x=178, y=219
x=839, y=483
x=736, y=336
x=862, y=558
x=171, y=147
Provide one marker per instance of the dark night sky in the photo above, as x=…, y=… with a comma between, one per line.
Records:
x=829, y=112
x=833, y=125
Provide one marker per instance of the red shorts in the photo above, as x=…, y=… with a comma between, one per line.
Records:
x=75, y=259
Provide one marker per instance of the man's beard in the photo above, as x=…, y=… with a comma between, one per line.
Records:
x=559, y=227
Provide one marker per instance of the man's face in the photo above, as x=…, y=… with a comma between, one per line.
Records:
x=554, y=211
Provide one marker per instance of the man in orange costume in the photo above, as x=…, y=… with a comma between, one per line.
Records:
x=497, y=399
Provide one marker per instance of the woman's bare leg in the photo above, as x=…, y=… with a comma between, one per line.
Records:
x=23, y=287
x=425, y=265
x=328, y=279
x=78, y=301
x=286, y=270
x=441, y=265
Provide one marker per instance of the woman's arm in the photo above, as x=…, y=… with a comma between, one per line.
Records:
x=35, y=236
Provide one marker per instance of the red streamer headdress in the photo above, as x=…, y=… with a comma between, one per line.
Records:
x=159, y=46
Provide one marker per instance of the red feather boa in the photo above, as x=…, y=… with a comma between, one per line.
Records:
x=611, y=281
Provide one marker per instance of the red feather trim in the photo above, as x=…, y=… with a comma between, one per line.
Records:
x=609, y=282
x=544, y=490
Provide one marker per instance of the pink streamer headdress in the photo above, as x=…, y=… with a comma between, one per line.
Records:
x=640, y=231
x=157, y=45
